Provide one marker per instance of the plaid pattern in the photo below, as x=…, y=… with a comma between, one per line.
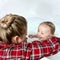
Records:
x=32, y=51
x=41, y=49
x=13, y=52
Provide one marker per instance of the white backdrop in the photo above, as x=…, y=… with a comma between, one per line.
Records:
x=31, y=8
x=35, y=12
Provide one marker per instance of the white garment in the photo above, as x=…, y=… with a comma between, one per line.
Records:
x=45, y=58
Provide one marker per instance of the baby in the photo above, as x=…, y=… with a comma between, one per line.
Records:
x=47, y=42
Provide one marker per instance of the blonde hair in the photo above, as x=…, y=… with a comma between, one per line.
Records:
x=12, y=25
x=51, y=25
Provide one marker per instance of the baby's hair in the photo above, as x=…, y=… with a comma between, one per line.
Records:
x=50, y=24
x=12, y=25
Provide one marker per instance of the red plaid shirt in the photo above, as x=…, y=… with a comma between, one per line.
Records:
x=23, y=51
x=13, y=52
x=41, y=49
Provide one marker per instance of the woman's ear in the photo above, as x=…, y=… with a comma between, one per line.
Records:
x=16, y=39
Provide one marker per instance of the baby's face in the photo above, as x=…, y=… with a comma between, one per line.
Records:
x=44, y=32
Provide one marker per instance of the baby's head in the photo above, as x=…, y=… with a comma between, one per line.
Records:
x=46, y=30
x=13, y=28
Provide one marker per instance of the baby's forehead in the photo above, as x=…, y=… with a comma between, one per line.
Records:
x=44, y=25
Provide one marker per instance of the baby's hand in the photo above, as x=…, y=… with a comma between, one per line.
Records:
x=31, y=36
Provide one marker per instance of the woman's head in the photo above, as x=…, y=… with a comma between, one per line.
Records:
x=46, y=30
x=12, y=25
